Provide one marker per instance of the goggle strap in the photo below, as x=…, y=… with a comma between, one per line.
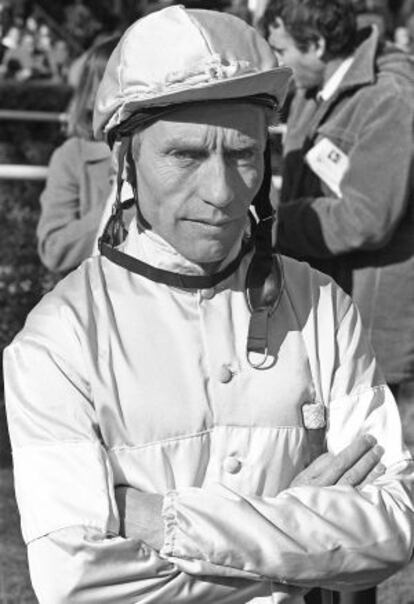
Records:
x=257, y=333
x=264, y=279
x=114, y=232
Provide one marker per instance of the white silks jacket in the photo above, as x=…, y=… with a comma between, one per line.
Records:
x=116, y=379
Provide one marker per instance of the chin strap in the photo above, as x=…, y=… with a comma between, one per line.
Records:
x=265, y=278
x=115, y=231
x=170, y=278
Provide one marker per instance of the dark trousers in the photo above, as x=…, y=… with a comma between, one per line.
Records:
x=318, y=596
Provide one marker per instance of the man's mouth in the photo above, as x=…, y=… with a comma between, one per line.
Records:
x=210, y=222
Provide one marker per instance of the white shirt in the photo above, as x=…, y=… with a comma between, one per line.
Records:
x=116, y=379
x=333, y=83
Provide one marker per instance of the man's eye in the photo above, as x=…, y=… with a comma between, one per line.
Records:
x=189, y=154
x=242, y=154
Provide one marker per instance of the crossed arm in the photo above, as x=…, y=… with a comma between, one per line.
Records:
x=356, y=465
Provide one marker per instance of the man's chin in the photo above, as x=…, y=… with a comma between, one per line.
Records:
x=211, y=253
x=208, y=248
x=207, y=258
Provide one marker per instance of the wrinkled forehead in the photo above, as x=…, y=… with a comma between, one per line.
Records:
x=242, y=120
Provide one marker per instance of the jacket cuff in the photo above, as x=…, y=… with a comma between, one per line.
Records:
x=169, y=516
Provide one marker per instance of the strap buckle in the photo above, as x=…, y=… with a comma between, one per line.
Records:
x=264, y=288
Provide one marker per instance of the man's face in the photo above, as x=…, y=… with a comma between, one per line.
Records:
x=308, y=69
x=198, y=170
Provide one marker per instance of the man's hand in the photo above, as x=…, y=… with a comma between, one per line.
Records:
x=356, y=465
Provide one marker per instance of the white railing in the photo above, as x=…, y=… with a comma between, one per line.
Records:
x=22, y=172
x=28, y=172
x=33, y=116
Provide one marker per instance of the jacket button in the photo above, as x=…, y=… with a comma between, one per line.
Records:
x=207, y=294
x=232, y=465
x=225, y=374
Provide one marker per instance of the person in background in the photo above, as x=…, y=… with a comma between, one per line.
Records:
x=79, y=177
x=5, y=23
x=347, y=203
x=19, y=62
x=402, y=38
x=404, y=32
x=60, y=61
x=12, y=37
x=81, y=22
x=194, y=418
x=31, y=25
x=374, y=12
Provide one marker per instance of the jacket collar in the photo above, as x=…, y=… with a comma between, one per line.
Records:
x=334, y=82
x=361, y=73
x=94, y=151
x=362, y=70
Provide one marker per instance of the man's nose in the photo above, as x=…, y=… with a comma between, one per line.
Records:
x=217, y=186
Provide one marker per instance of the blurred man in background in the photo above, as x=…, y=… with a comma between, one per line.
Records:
x=347, y=193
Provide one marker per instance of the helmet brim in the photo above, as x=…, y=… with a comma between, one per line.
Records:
x=273, y=82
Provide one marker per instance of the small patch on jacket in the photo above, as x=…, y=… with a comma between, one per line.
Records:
x=314, y=415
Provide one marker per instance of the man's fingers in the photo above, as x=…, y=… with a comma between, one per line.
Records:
x=311, y=474
x=363, y=467
x=348, y=457
x=378, y=471
x=353, y=465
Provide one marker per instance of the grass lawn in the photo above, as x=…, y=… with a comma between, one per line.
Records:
x=14, y=579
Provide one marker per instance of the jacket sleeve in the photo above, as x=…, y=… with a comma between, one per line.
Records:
x=65, y=236
x=65, y=488
x=337, y=537
x=374, y=190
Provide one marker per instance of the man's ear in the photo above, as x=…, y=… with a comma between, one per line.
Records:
x=320, y=48
x=278, y=22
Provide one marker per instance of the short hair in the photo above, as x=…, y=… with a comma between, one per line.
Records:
x=308, y=20
x=81, y=107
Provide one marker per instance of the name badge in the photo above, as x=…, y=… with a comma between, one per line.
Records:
x=329, y=163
